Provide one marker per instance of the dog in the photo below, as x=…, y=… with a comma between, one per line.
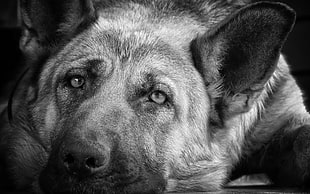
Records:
x=152, y=96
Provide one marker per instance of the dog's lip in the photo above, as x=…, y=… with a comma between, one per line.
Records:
x=115, y=179
x=96, y=186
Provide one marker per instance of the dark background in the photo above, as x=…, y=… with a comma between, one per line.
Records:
x=296, y=49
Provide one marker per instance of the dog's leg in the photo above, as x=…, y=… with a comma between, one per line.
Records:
x=286, y=158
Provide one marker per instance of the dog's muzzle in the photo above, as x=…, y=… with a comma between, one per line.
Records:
x=79, y=164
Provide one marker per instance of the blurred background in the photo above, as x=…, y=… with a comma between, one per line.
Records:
x=296, y=50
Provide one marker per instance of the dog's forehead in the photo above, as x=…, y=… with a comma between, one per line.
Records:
x=117, y=40
x=175, y=30
x=112, y=49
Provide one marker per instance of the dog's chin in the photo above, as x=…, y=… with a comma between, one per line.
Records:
x=101, y=185
x=138, y=187
x=101, y=188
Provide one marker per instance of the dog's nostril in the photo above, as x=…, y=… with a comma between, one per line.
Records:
x=92, y=163
x=69, y=159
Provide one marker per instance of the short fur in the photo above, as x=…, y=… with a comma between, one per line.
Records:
x=230, y=105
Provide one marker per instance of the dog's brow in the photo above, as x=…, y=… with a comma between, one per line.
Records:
x=94, y=62
x=99, y=65
x=142, y=86
x=150, y=78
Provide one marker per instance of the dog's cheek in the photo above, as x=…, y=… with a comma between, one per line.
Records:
x=45, y=119
x=27, y=159
x=165, y=116
x=50, y=120
x=175, y=142
x=150, y=132
x=189, y=131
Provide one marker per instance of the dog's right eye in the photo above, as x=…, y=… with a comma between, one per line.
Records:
x=158, y=97
x=77, y=81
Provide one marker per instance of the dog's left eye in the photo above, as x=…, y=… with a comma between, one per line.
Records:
x=158, y=97
x=77, y=81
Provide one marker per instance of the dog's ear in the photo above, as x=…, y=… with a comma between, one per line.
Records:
x=243, y=52
x=46, y=23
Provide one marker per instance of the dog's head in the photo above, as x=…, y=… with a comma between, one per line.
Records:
x=134, y=97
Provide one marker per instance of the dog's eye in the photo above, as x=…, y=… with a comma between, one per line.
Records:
x=158, y=97
x=77, y=81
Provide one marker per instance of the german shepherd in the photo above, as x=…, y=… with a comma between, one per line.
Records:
x=148, y=96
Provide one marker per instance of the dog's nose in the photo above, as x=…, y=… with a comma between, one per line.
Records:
x=83, y=160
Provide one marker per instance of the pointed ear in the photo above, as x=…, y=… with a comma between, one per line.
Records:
x=242, y=53
x=46, y=23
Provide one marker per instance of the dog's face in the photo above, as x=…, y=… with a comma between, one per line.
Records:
x=117, y=110
x=127, y=105
x=113, y=108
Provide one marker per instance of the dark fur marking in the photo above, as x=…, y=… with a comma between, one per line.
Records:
x=10, y=102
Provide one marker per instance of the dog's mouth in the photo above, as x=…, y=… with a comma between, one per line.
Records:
x=115, y=183
x=56, y=180
x=119, y=179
